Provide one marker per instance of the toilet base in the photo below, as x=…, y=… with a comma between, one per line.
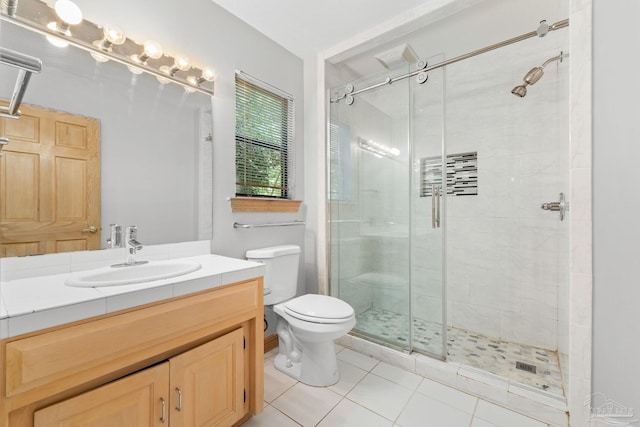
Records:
x=317, y=365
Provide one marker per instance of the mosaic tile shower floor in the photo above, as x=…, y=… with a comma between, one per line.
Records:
x=489, y=354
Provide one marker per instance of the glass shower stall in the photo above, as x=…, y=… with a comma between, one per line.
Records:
x=388, y=210
x=437, y=236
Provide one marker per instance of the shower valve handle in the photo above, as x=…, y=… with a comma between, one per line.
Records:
x=551, y=206
x=561, y=206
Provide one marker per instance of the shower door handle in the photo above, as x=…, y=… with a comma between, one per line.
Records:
x=438, y=208
x=435, y=206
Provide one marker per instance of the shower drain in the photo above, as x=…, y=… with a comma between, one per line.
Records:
x=526, y=367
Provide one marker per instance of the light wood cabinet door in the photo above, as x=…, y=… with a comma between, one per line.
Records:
x=203, y=387
x=133, y=401
x=207, y=383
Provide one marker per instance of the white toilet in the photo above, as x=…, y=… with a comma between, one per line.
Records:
x=307, y=325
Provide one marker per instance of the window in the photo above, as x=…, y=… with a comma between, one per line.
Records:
x=265, y=146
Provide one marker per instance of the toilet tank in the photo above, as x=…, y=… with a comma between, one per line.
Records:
x=281, y=271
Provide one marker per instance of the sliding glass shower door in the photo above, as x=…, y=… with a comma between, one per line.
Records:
x=386, y=209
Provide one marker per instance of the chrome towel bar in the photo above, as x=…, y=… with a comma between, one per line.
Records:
x=26, y=65
x=271, y=224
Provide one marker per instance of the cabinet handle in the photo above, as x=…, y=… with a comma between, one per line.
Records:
x=164, y=410
x=179, y=407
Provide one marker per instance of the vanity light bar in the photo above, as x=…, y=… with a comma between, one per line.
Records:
x=35, y=15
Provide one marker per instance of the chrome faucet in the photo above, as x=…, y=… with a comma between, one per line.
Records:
x=115, y=239
x=132, y=245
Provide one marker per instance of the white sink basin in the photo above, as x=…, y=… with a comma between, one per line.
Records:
x=115, y=276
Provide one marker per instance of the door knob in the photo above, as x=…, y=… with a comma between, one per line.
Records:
x=92, y=229
x=3, y=141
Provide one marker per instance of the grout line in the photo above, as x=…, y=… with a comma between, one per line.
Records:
x=286, y=415
x=370, y=410
x=404, y=406
x=473, y=414
x=332, y=408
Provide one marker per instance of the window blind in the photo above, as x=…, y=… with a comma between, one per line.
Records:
x=265, y=140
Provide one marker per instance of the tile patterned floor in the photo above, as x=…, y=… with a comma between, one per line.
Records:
x=372, y=393
x=489, y=354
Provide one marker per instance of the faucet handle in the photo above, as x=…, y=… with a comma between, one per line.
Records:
x=132, y=232
x=131, y=238
x=115, y=239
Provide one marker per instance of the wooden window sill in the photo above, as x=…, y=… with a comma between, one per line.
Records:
x=260, y=204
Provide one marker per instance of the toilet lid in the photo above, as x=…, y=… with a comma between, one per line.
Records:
x=318, y=308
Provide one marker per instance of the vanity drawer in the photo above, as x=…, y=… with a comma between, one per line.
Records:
x=83, y=353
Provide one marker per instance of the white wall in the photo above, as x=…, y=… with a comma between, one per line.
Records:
x=616, y=324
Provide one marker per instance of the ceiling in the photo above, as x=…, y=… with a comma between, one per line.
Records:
x=305, y=27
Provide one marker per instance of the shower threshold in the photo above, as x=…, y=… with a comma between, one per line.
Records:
x=467, y=348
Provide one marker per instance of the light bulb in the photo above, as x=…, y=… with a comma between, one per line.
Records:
x=68, y=11
x=180, y=63
x=208, y=74
x=134, y=70
x=56, y=41
x=152, y=50
x=98, y=57
x=69, y=14
x=114, y=35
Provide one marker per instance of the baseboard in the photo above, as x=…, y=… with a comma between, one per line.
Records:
x=270, y=342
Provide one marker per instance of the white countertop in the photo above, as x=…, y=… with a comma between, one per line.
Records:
x=34, y=303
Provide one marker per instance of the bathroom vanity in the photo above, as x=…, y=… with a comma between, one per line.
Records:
x=193, y=358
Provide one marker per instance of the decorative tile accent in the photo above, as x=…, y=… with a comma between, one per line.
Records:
x=489, y=354
x=461, y=170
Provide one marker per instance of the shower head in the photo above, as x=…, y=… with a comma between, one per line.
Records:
x=520, y=91
x=534, y=75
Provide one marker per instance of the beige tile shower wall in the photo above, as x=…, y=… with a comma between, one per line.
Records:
x=508, y=259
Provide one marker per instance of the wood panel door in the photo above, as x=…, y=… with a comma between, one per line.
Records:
x=207, y=383
x=49, y=183
x=134, y=401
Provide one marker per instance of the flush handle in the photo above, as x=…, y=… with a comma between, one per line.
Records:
x=560, y=206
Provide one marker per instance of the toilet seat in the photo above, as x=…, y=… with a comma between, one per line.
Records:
x=319, y=309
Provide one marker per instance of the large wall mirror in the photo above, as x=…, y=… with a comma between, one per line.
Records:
x=154, y=139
